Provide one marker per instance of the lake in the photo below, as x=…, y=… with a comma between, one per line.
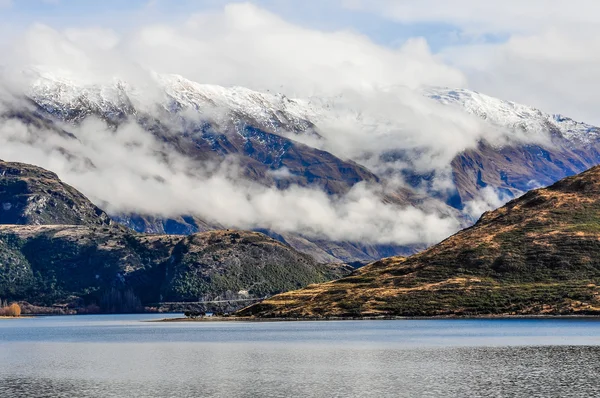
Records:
x=122, y=356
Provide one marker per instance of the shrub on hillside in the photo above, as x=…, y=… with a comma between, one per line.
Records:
x=12, y=310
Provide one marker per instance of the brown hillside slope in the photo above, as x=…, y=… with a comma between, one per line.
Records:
x=538, y=254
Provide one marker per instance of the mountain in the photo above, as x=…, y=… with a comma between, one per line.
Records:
x=225, y=123
x=516, y=117
x=537, y=255
x=30, y=195
x=568, y=145
x=559, y=146
x=66, y=252
x=78, y=266
x=281, y=142
x=205, y=122
x=263, y=128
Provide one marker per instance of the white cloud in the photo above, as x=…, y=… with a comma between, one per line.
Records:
x=129, y=171
x=555, y=70
x=101, y=38
x=281, y=173
x=248, y=46
x=492, y=16
x=489, y=199
x=548, y=55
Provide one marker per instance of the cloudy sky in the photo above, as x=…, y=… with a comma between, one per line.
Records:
x=372, y=56
x=539, y=52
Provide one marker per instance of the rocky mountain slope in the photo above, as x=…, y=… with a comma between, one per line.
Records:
x=34, y=196
x=67, y=252
x=538, y=254
x=561, y=147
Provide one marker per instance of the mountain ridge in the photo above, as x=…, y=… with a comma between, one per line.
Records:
x=536, y=255
x=32, y=195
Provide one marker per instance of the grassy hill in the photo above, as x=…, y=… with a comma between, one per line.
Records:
x=538, y=254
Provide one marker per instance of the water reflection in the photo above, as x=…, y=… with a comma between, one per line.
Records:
x=125, y=358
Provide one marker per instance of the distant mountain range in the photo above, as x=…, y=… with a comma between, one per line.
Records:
x=537, y=255
x=281, y=142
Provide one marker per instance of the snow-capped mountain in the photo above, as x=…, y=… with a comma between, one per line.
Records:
x=276, y=112
x=252, y=114
x=508, y=114
x=264, y=130
x=172, y=93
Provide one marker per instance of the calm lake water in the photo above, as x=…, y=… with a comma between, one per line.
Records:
x=121, y=356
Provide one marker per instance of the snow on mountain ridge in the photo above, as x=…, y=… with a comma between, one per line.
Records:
x=277, y=112
x=172, y=93
x=512, y=115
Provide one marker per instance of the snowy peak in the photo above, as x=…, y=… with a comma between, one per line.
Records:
x=70, y=101
x=276, y=112
x=508, y=114
x=174, y=94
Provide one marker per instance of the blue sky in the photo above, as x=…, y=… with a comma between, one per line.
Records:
x=326, y=15
x=537, y=52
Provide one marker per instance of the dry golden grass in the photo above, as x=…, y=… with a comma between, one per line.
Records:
x=538, y=254
x=11, y=311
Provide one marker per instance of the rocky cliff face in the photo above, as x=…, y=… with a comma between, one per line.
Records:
x=538, y=254
x=34, y=196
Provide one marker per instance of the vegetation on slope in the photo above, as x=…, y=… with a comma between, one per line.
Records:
x=539, y=254
x=115, y=270
x=58, y=249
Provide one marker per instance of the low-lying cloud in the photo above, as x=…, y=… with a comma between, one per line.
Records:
x=127, y=170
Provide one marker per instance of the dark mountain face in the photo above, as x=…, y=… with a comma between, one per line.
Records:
x=56, y=247
x=120, y=271
x=30, y=195
x=538, y=254
x=511, y=170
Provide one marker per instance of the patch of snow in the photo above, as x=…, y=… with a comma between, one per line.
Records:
x=276, y=112
x=508, y=114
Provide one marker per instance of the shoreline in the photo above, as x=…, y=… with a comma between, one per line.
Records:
x=387, y=318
